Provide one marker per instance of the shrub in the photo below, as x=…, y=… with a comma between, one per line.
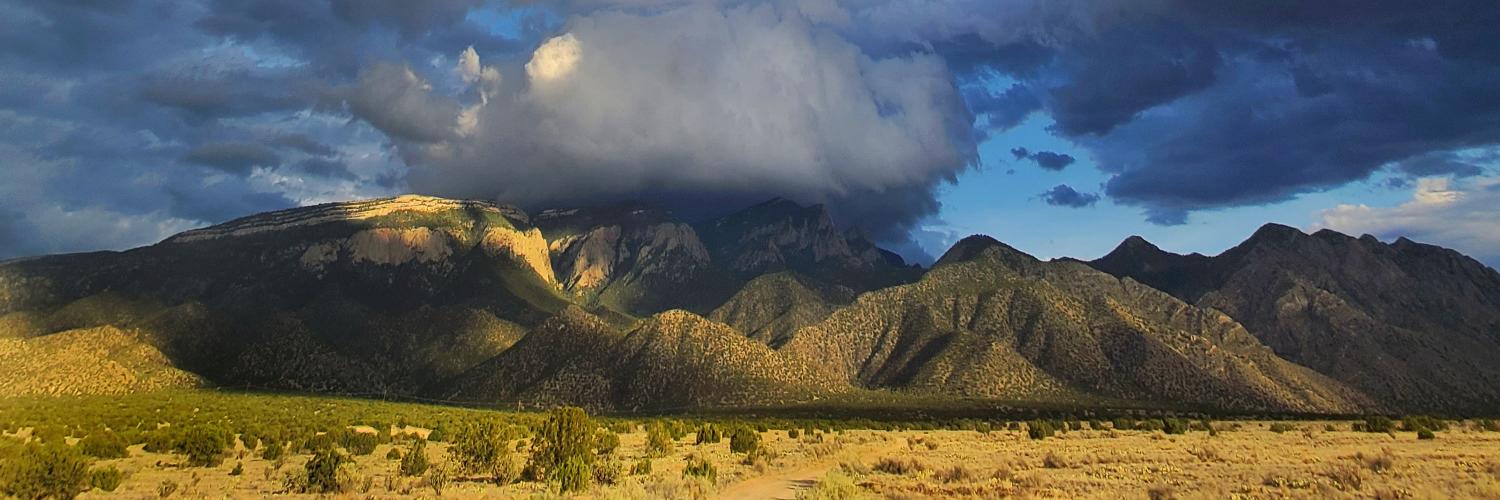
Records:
x=1379, y=424
x=1280, y=427
x=203, y=445
x=658, y=440
x=566, y=435
x=743, y=440
x=1122, y=424
x=159, y=441
x=641, y=467
x=1415, y=423
x=251, y=441
x=709, y=434
x=166, y=488
x=105, y=478
x=1040, y=429
x=478, y=445
x=899, y=465
x=359, y=443
x=1053, y=461
x=606, y=441
x=103, y=444
x=700, y=467
x=1425, y=434
x=273, y=450
x=608, y=471
x=394, y=454
x=955, y=474
x=414, y=462
x=792, y=433
x=572, y=475
x=239, y=469
x=323, y=471
x=1174, y=426
x=833, y=486
x=437, y=435
x=44, y=470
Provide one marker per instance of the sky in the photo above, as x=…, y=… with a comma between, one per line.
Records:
x=1058, y=126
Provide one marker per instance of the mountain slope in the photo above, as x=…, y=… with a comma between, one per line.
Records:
x=103, y=360
x=671, y=361
x=1412, y=325
x=989, y=321
x=773, y=306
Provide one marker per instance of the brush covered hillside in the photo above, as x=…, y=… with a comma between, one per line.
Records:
x=628, y=308
x=991, y=322
x=1414, y=326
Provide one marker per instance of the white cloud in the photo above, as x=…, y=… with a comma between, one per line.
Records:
x=556, y=59
x=1462, y=215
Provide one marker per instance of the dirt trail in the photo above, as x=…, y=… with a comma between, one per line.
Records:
x=783, y=484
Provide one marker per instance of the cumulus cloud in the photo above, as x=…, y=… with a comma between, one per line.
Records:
x=1463, y=215
x=1063, y=195
x=701, y=103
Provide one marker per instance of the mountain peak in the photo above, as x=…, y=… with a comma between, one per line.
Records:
x=978, y=245
x=1272, y=231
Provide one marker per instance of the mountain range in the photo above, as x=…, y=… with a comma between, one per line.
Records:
x=626, y=307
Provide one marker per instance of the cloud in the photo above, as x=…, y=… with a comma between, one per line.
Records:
x=237, y=157
x=1062, y=195
x=1463, y=215
x=693, y=105
x=1051, y=161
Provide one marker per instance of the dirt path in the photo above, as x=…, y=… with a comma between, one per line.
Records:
x=784, y=484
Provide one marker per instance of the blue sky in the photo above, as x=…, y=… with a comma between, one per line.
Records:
x=1188, y=122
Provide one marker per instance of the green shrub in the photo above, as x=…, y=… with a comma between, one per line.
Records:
x=572, y=475
x=642, y=467
x=359, y=443
x=564, y=445
x=1379, y=424
x=658, y=440
x=273, y=450
x=606, y=441
x=833, y=486
x=239, y=469
x=700, y=467
x=323, y=471
x=1489, y=425
x=1174, y=426
x=1425, y=434
x=1122, y=424
x=743, y=440
x=1040, y=429
x=414, y=462
x=1280, y=427
x=608, y=471
x=103, y=444
x=51, y=469
x=437, y=435
x=792, y=433
x=105, y=478
x=1414, y=423
x=478, y=445
x=709, y=434
x=203, y=445
x=393, y=454
x=159, y=441
x=251, y=441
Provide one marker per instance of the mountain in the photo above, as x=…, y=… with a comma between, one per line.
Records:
x=992, y=322
x=674, y=360
x=780, y=235
x=625, y=307
x=633, y=259
x=1413, y=325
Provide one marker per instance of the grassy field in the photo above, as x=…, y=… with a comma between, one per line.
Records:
x=776, y=457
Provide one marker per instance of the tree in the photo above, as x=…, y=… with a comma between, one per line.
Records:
x=203, y=445
x=323, y=470
x=744, y=440
x=479, y=445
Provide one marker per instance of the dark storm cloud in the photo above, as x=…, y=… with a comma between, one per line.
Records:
x=324, y=167
x=1051, y=161
x=1063, y=195
x=236, y=157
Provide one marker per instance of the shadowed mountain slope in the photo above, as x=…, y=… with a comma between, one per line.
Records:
x=990, y=321
x=1415, y=326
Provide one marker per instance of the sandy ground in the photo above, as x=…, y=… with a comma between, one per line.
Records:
x=1253, y=462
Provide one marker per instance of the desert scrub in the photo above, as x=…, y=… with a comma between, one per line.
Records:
x=699, y=467
x=478, y=446
x=203, y=445
x=105, y=478
x=414, y=461
x=658, y=440
x=744, y=440
x=606, y=441
x=709, y=434
x=1282, y=427
x=322, y=472
x=563, y=449
x=642, y=467
x=833, y=486
x=103, y=444
x=900, y=465
x=52, y=470
x=1040, y=429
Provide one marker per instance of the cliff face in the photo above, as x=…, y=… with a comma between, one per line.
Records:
x=1412, y=325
